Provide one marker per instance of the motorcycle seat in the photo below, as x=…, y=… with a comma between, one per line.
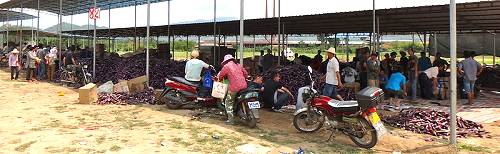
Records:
x=343, y=104
x=184, y=81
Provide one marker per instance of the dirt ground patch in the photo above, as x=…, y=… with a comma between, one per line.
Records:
x=34, y=119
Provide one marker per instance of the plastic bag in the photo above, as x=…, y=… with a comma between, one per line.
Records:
x=219, y=90
x=106, y=88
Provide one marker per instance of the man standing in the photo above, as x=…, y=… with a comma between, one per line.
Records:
x=428, y=80
x=275, y=94
x=332, y=76
x=373, y=66
x=412, y=74
x=31, y=64
x=268, y=61
x=424, y=62
x=439, y=61
x=470, y=68
x=40, y=53
x=403, y=62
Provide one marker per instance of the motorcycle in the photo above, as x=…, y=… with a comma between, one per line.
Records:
x=78, y=75
x=179, y=92
x=357, y=119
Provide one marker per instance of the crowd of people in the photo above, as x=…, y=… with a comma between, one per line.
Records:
x=38, y=61
x=407, y=77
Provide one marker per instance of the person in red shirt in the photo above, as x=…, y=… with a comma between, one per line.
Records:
x=236, y=75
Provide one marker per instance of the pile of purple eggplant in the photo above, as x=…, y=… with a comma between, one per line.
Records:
x=145, y=97
x=436, y=123
x=114, y=68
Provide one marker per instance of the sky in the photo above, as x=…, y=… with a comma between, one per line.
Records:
x=190, y=10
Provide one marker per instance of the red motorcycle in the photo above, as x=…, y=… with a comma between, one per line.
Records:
x=179, y=92
x=357, y=119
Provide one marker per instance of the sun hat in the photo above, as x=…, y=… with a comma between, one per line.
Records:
x=195, y=53
x=227, y=58
x=15, y=51
x=331, y=50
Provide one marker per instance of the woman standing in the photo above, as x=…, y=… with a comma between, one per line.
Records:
x=236, y=75
x=14, y=64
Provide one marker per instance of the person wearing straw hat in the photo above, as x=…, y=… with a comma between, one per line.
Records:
x=333, y=80
x=14, y=64
x=236, y=75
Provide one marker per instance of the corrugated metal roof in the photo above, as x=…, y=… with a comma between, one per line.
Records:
x=7, y=15
x=471, y=17
x=71, y=7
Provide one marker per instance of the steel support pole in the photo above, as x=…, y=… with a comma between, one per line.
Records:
x=37, y=21
x=453, y=56
x=254, y=48
x=494, y=50
x=88, y=29
x=60, y=31
x=168, y=28
x=72, y=36
x=279, y=32
x=21, y=30
x=135, y=25
x=348, y=50
x=147, y=39
x=435, y=44
x=374, y=35
x=378, y=37
x=187, y=46
x=93, y=42
x=32, y=33
x=8, y=25
x=242, y=19
x=109, y=28
x=199, y=42
x=215, y=29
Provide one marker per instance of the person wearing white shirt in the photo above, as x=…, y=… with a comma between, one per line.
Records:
x=428, y=81
x=333, y=79
x=194, y=67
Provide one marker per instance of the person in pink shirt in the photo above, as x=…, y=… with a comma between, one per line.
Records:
x=14, y=64
x=236, y=75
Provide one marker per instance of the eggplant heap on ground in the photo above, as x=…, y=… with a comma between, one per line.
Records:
x=428, y=121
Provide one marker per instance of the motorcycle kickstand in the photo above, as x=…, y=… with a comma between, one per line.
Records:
x=331, y=135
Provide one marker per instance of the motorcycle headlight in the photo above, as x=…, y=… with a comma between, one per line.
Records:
x=85, y=66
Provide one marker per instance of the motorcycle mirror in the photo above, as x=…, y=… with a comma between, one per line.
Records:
x=310, y=69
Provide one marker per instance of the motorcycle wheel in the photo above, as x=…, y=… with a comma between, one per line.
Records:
x=250, y=120
x=308, y=121
x=368, y=138
x=173, y=99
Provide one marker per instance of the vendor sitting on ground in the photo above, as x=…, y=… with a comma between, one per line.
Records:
x=274, y=94
x=428, y=80
x=395, y=87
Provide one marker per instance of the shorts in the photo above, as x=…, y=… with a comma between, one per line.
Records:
x=330, y=90
x=468, y=86
x=395, y=94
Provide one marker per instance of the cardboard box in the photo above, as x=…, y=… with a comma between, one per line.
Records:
x=121, y=87
x=87, y=94
x=137, y=84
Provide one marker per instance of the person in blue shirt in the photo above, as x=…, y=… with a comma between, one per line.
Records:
x=424, y=62
x=395, y=87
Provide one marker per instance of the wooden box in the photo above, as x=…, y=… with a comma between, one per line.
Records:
x=87, y=94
